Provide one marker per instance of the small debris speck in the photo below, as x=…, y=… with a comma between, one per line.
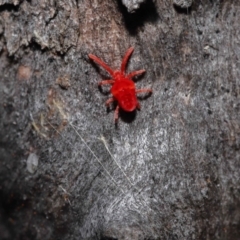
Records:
x=63, y=82
x=132, y=5
x=32, y=163
x=24, y=73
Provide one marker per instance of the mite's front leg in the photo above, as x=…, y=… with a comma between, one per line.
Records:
x=135, y=73
x=104, y=82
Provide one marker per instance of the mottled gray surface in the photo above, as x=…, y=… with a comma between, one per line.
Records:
x=14, y=2
x=183, y=3
x=174, y=169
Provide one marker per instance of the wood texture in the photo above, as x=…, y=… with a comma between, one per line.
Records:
x=169, y=171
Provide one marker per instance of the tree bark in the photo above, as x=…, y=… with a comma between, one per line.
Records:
x=168, y=171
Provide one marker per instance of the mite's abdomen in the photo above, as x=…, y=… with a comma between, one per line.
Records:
x=124, y=92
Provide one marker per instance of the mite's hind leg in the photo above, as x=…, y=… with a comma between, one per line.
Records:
x=138, y=106
x=116, y=114
x=147, y=90
x=110, y=100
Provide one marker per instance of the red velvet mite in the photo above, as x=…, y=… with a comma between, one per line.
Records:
x=123, y=88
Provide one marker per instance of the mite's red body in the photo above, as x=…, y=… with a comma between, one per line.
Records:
x=123, y=88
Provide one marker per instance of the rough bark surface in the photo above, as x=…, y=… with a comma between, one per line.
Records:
x=169, y=171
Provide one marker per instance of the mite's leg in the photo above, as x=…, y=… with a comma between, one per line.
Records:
x=147, y=90
x=138, y=106
x=101, y=63
x=125, y=59
x=110, y=100
x=104, y=82
x=116, y=113
x=135, y=73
